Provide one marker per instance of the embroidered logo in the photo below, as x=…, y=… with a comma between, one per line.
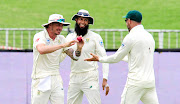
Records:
x=122, y=45
x=59, y=41
x=48, y=41
x=38, y=93
x=37, y=39
x=87, y=40
x=101, y=43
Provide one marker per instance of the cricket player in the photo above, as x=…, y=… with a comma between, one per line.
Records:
x=48, y=49
x=84, y=76
x=139, y=46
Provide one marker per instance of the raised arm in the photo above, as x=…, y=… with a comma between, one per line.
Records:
x=75, y=54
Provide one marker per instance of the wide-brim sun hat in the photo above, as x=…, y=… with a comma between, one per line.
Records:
x=56, y=18
x=84, y=13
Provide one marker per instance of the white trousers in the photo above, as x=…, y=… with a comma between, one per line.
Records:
x=133, y=94
x=84, y=83
x=49, y=88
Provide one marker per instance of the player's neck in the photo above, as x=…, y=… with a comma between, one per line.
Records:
x=52, y=35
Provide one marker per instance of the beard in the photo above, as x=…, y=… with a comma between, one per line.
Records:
x=81, y=31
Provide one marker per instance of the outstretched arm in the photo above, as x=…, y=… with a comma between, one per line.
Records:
x=124, y=49
x=93, y=58
x=44, y=49
x=75, y=54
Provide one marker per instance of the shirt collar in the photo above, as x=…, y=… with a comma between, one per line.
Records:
x=137, y=28
x=47, y=35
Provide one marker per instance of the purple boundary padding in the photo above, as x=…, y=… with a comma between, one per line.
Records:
x=16, y=68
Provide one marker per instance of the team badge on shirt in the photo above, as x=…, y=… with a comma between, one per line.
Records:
x=48, y=41
x=38, y=93
x=37, y=39
x=59, y=41
x=122, y=45
x=87, y=40
x=101, y=43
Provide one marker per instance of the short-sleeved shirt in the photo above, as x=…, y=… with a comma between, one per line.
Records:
x=93, y=44
x=46, y=64
x=139, y=45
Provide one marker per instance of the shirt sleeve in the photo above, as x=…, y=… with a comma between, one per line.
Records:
x=125, y=58
x=120, y=54
x=38, y=39
x=100, y=51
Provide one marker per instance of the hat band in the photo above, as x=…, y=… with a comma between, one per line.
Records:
x=83, y=14
x=58, y=20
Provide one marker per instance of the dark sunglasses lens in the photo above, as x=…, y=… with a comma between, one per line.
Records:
x=126, y=20
x=61, y=20
x=84, y=14
x=79, y=13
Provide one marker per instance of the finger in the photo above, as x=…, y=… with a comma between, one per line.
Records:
x=103, y=85
x=72, y=44
x=88, y=59
x=85, y=59
x=107, y=90
x=82, y=40
x=74, y=41
x=92, y=54
x=95, y=57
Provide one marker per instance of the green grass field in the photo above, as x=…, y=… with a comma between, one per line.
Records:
x=157, y=14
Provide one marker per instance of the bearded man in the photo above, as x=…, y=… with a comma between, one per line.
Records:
x=84, y=76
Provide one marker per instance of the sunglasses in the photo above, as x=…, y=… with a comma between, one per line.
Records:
x=83, y=14
x=126, y=19
x=60, y=20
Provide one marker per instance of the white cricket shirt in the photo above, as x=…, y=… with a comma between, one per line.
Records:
x=139, y=45
x=93, y=43
x=46, y=64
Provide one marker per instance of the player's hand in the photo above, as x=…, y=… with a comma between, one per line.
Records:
x=94, y=58
x=68, y=44
x=105, y=86
x=80, y=44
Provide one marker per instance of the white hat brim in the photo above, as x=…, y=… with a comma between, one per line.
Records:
x=64, y=23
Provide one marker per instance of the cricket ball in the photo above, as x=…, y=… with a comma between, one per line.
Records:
x=79, y=39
